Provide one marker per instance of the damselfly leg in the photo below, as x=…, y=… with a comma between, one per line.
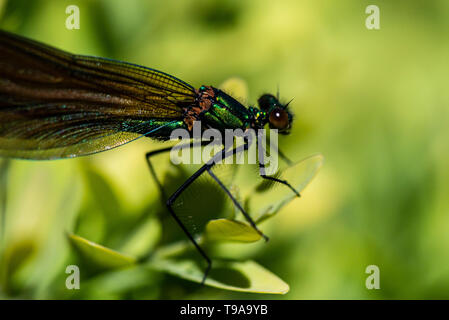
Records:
x=206, y=167
x=274, y=179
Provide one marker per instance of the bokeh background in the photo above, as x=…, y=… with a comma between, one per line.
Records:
x=375, y=103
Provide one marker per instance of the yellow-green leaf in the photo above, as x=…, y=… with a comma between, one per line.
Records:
x=247, y=276
x=298, y=174
x=99, y=255
x=231, y=230
x=143, y=239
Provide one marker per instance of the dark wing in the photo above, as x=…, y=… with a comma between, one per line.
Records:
x=57, y=105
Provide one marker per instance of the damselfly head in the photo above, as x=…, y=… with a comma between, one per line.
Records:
x=279, y=115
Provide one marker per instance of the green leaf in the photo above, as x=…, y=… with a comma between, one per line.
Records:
x=143, y=238
x=99, y=255
x=12, y=259
x=121, y=283
x=230, y=230
x=247, y=276
x=298, y=174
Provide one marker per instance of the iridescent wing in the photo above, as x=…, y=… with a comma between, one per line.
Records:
x=57, y=105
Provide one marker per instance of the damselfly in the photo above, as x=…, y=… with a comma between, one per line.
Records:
x=54, y=104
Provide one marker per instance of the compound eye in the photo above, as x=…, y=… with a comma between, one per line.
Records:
x=279, y=119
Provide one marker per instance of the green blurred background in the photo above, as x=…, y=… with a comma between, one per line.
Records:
x=375, y=103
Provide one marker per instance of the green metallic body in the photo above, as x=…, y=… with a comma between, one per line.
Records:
x=226, y=113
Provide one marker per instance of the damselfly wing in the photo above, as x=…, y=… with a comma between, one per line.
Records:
x=57, y=105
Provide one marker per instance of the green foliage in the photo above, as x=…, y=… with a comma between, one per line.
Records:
x=247, y=276
x=242, y=276
x=231, y=230
x=100, y=256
